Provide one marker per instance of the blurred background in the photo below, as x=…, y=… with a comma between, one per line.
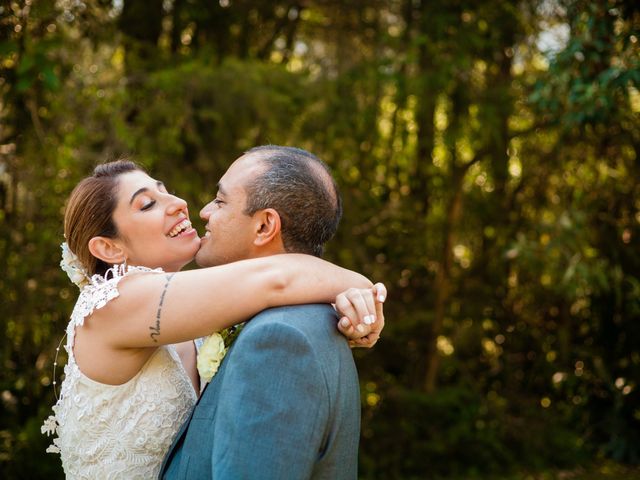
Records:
x=488, y=155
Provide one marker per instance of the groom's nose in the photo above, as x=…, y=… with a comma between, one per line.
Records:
x=206, y=211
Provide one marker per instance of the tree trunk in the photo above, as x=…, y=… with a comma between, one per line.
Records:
x=442, y=284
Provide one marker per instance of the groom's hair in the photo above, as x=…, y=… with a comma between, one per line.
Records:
x=300, y=187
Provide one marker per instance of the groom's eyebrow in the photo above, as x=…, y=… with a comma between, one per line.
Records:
x=143, y=190
x=221, y=189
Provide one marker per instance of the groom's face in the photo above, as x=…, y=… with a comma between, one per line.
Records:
x=230, y=233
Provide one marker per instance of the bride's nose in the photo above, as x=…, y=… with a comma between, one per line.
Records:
x=176, y=204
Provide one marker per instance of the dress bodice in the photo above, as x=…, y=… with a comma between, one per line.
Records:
x=118, y=431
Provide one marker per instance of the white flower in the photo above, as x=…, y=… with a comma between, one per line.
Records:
x=49, y=426
x=210, y=356
x=73, y=267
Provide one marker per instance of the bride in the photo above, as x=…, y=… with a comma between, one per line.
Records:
x=130, y=380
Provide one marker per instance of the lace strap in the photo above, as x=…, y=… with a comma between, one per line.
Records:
x=100, y=291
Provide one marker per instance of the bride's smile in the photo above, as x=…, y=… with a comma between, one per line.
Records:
x=182, y=228
x=153, y=225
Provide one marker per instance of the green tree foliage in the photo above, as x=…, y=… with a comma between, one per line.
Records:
x=488, y=156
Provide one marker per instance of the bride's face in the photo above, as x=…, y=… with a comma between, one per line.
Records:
x=153, y=225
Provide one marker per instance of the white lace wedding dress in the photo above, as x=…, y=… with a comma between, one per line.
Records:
x=117, y=431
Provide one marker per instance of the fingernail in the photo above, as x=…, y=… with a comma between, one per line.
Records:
x=381, y=298
x=360, y=328
x=345, y=322
x=369, y=319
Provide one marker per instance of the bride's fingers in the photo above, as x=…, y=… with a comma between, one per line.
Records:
x=353, y=304
x=370, y=303
x=364, y=305
x=379, y=325
x=380, y=316
x=364, y=342
x=345, y=307
x=350, y=332
x=380, y=292
x=345, y=327
x=376, y=297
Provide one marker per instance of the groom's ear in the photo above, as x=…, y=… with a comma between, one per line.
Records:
x=268, y=227
x=107, y=249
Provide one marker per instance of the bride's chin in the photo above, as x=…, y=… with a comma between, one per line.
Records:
x=189, y=251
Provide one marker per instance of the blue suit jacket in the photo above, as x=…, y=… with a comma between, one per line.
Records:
x=285, y=404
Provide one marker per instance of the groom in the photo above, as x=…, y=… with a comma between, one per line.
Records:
x=285, y=403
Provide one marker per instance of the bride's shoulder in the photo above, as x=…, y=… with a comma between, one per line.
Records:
x=126, y=283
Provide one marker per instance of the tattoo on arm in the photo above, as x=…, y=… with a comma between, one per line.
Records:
x=155, y=329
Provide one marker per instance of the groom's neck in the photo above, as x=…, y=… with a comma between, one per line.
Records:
x=266, y=251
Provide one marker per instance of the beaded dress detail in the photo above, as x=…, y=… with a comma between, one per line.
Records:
x=117, y=431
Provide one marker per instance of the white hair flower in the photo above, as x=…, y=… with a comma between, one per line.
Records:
x=210, y=356
x=72, y=265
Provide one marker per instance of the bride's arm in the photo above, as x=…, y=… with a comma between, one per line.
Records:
x=157, y=309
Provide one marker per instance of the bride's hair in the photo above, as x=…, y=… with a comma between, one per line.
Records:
x=89, y=211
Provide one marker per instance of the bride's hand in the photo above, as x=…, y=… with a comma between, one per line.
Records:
x=361, y=314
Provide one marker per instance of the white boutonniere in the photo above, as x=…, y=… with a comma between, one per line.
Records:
x=210, y=356
x=213, y=351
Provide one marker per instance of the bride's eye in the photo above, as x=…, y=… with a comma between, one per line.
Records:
x=148, y=205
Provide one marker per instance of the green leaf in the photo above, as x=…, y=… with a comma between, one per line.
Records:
x=8, y=47
x=25, y=64
x=24, y=83
x=50, y=78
